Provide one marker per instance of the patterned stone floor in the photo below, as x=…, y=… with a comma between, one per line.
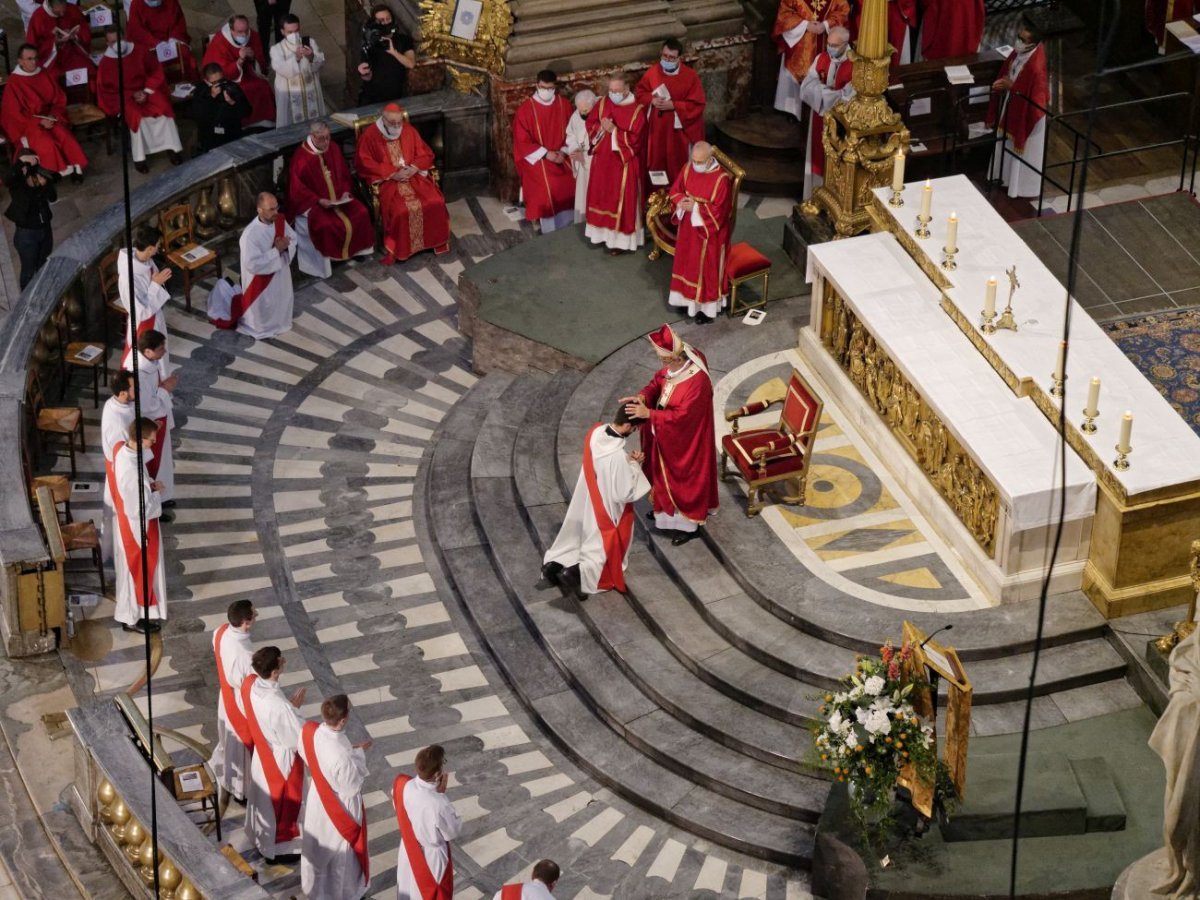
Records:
x=297, y=460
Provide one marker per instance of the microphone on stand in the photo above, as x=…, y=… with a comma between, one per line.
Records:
x=935, y=634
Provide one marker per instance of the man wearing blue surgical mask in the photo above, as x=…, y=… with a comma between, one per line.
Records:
x=826, y=84
x=674, y=99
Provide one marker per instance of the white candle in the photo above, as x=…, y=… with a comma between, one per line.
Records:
x=1059, y=364
x=898, y=172
x=952, y=234
x=989, y=299
x=926, y=198
x=1093, y=403
x=1126, y=432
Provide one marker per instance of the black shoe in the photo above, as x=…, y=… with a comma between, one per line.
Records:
x=139, y=626
x=150, y=625
x=702, y=319
x=168, y=504
x=683, y=537
x=650, y=516
x=284, y=859
x=166, y=517
x=142, y=167
x=77, y=177
x=176, y=158
x=551, y=571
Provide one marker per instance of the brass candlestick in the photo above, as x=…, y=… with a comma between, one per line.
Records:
x=923, y=226
x=987, y=322
x=897, y=198
x=1089, y=421
x=948, y=263
x=1122, y=460
x=1057, y=384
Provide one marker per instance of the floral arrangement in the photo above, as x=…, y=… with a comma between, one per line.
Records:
x=871, y=732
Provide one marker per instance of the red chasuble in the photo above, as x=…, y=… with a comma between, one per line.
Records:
x=615, y=535
x=71, y=54
x=667, y=147
x=430, y=889
x=951, y=28
x=680, y=444
x=286, y=793
x=698, y=271
x=615, y=181
x=232, y=711
x=902, y=15
x=354, y=833
x=338, y=232
x=1020, y=116
x=841, y=78
x=142, y=73
x=512, y=892
x=26, y=97
x=799, y=58
x=130, y=541
x=149, y=26
x=249, y=76
x=414, y=212
x=548, y=188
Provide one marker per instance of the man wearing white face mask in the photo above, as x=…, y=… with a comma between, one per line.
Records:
x=801, y=28
x=827, y=83
x=540, y=149
x=239, y=52
x=577, y=149
x=616, y=136
x=297, y=62
x=674, y=101
x=1018, y=110
x=701, y=195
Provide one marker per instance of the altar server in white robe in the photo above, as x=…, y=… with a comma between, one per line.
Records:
x=149, y=290
x=334, y=860
x=598, y=538
x=155, y=385
x=115, y=418
x=826, y=84
x=540, y=886
x=428, y=823
x=276, y=787
x=233, y=651
x=137, y=609
x=577, y=149
x=268, y=246
x=296, y=61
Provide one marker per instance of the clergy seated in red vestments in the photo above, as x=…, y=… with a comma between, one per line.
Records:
x=800, y=30
x=678, y=437
x=827, y=83
x=393, y=155
x=902, y=26
x=330, y=223
x=702, y=195
x=239, y=52
x=1018, y=110
x=540, y=886
x=951, y=28
x=540, y=152
x=674, y=99
x=60, y=32
x=33, y=114
x=148, y=112
x=616, y=135
x=154, y=22
x=597, y=532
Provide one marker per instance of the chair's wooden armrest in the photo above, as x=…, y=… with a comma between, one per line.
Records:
x=750, y=409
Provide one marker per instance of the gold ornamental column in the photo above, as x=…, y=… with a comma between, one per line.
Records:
x=862, y=134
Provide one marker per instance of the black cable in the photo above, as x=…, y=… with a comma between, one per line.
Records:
x=1103, y=48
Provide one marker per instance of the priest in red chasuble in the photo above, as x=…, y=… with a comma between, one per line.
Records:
x=679, y=438
x=616, y=136
x=148, y=112
x=33, y=114
x=1022, y=123
x=540, y=151
x=674, y=100
x=702, y=196
x=154, y=22
x=392, y=154
x=60, y=32
x=800, y=30
x=330, y=222
x=239, y=52
x=951, y=28
x=827, y=83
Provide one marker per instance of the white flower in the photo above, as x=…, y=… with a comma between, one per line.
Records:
x=855, y=694
x=878, y=722
x=850, y=744
x=836, y=723
x=860, y=715
x=874, y=685
x=883, y=704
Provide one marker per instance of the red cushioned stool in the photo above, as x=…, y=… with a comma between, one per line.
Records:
x=744, y=263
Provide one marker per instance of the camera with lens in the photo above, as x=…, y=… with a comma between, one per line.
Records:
x=375, y=38
x=29, y=169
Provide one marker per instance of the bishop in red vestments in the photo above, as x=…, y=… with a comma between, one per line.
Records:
x=702, y=195
x=239, y=52
x=60, y=32
x=33, y=114
x=330, y=222
x=148, y=112
x=1018, y=111
x=674, y=100
x=828, y=82
x=393, y=155
x=153, y=22
x=539, y=148
x=678, y=437
x=799, y=33
x=951, y=28
x=616, y=134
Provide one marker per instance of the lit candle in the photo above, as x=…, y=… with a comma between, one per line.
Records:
x=1126, y=432
x=926, y=198
x=898, y=172
x=1093, y=403
x=1060, y=363
x=989, y=299
x=952, y=234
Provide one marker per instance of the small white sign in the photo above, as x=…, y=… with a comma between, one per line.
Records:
x=99, y=16
x=76, y=76
x=183, y=89
x=87, y=354
x=754, y=317
x=466, y=19
x=959, y=75
x=1005, y=50
x=166, y=51
x=922, y=106
x=196, y=253
x=659, y=178
x=85, y=487
x=191, y=781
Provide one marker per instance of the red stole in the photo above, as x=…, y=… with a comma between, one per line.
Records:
x=258, y=283
x=842, y=78
x=133, y=548
x=355, y=833
x=430, y=890
x=512, y=892
x=143, y=326
x=232, y=711
x=286, y=794
x=615, y=537
x=1020, y=116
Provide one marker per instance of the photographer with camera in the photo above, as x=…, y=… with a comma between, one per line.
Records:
x=32, y=191
x=388, y=53
x=218, y=106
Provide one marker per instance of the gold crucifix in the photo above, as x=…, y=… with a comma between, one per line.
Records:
x=1006, y=319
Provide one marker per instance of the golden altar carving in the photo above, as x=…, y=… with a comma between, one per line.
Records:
x=484, y=53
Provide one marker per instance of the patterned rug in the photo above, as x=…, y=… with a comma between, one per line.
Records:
x=1166, y=348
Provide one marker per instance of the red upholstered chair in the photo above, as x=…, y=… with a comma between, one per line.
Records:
x=765, y=456
x=743, y=264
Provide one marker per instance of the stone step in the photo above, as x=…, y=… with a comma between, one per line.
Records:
x=766, y=132
x=1105, y=808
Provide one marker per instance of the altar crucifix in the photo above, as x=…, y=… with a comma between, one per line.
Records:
x=1006, y=319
